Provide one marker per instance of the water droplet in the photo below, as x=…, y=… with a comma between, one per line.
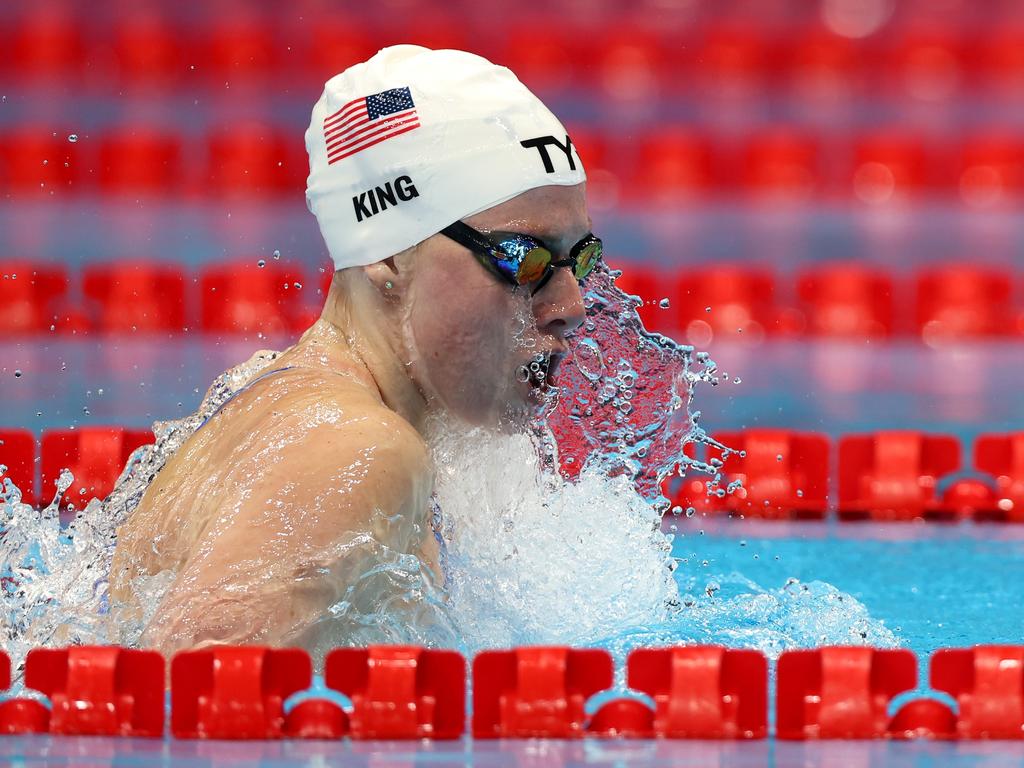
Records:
x=691, y=511
x=778, y=457
x=17, y=373
x=261, y=263
x=707, y=309
x=297, y=286
x=799, y=493
x=737, y=380
x=73, y=138
x=664, y=304
x=277, y=255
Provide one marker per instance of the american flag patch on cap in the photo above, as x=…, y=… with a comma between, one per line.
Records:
x=367, y=121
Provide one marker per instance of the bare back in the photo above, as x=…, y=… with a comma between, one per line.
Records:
x=273, y=509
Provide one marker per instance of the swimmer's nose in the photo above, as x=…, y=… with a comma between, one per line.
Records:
x=558, y=307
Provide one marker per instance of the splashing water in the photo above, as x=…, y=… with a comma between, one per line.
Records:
x=624, y=402
x=552, y=536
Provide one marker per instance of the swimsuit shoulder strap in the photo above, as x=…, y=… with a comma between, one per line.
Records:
x=240, y=390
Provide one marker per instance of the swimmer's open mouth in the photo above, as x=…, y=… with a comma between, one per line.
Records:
x=540, y=372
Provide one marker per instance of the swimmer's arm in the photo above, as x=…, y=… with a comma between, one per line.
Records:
x=265, y=570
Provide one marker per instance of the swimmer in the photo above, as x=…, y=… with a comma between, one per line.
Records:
x=452, y=203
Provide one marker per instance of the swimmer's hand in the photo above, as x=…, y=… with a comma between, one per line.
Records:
x=315, y=516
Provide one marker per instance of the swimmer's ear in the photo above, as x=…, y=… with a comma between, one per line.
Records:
x=385, y=276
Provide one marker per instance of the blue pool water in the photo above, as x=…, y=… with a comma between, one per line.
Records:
x=932, y=585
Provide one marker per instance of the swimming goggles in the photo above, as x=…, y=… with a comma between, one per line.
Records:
x=523, y=260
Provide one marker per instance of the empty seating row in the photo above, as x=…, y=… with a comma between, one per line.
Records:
x=674, y=165
x=893, y=475
x=142, y=47
x=257, y=296
x=406, y=692
x=704, y=304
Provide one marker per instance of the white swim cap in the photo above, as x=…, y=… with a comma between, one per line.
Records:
x=404, y=144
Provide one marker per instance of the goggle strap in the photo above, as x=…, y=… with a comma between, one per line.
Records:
x=468, y=237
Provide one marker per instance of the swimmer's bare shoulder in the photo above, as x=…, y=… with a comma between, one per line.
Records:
x=318, y=468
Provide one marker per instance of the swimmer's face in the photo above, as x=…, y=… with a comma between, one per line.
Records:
x=474, y=336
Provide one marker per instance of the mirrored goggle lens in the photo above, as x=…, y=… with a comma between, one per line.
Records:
x=587, y=259
x=532, y=266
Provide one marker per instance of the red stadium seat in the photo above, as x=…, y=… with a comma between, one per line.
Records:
x=987, y=682
x=246, y=298
x=18, y=454
x=846, y=301
x=544, y=56
x=431, y=26
x=136, y=297
x=47, y=43
x=1001, y=60
x=238, y=49
x=148, y=51
x=822, y=67
x=964, y=301
x=781, y=165
x=100, y=690
x=32, y=296
x=256, y=160
x=232, y=692
x=726, y=302
x=784, y=474
x=96, y=457
x=630, y=66
x=338, y=41
x=888, y=167
x=652, y=285
x=672, y=166
x=840, y=692
x=1002, y=456
x=536, y=691
x=893, y=475
x=927, y=65
x=732, y=61
x=703, y=692
x=37, y=161
x=604, y=174
x=139, y=161
x=401, y=692
x=991, y=170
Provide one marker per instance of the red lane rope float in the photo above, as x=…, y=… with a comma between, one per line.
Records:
x=94, y=691
x=840, y=692
x=235, y=692
x=988, y=684
x=699, y=692
x=400, y=692
x=406, y=692
x=892, y=475
x=536, y=692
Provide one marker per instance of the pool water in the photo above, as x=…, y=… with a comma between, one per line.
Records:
x=931, y=585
